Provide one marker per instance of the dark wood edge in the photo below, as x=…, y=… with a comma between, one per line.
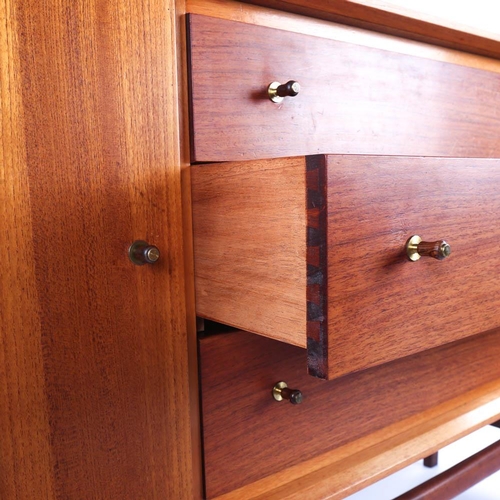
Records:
x=459, y=478
x=192, y=142
x=390, y=23
x=317, y=277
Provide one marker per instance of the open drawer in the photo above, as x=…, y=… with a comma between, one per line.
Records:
x=312, y=251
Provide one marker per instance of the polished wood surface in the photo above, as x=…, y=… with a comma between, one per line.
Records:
x=262, y=16
x=181, y=158
x=381, y=306
x=345, y=470
x=266, y=437
x=354, y=99
x=94, y=388
x=249, y=226
x=458, y=478
x=26, y=464
x=366, y=302
x=400, y=19
x=94, y=384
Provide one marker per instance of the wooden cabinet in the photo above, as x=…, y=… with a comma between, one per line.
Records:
x=99, y=392
x=312, y=251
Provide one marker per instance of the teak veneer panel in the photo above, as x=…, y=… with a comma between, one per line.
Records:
x=311, y=251
x=238, y=371
x=354, y=99
x=250, y=257
x=25, y=437
x=403, y=307
x=94, y=386
x=345, y=470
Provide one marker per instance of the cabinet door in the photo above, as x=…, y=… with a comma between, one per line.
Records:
x=93, y=359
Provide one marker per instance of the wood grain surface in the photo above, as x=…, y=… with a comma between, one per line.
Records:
x=317, y=265
x=345, y=470
x=381, y=306
x=26, y=463
x=249, y=227
x=354, y=99
x=181, y=157
x=94, y=389
x=266, y=438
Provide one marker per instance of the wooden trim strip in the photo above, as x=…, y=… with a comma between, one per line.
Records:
x=256, y=14
x=392, y=23
x=182, y=104
x=317, y=275
x=459, y=478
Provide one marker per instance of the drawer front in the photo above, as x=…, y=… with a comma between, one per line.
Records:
x=353, y=99
x=248, y=435
x=311, y=251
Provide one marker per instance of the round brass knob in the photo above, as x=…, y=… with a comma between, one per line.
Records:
x=277, y=91
x=141, y=252
x=281, y=391
x=416, y=248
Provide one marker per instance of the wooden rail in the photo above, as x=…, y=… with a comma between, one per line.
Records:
x=459, y=478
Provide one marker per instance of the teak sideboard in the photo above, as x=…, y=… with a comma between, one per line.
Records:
x=212, y=285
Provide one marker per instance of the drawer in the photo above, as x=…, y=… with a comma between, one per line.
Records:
x=311, y=251
x=248, y=435
x=353, y=99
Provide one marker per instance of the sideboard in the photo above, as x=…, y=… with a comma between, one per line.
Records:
x=135, y=363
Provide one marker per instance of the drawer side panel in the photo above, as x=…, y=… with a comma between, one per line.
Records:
x=249, y=223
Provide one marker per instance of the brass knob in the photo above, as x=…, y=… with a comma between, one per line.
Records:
x=141, y=252
x=277, y=91
x=281, y=391
x=416, y=248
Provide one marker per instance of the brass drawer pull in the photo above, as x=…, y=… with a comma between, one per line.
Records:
x=277, y=91
x=281, y=391
x=416, y=248
x=141, y=252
